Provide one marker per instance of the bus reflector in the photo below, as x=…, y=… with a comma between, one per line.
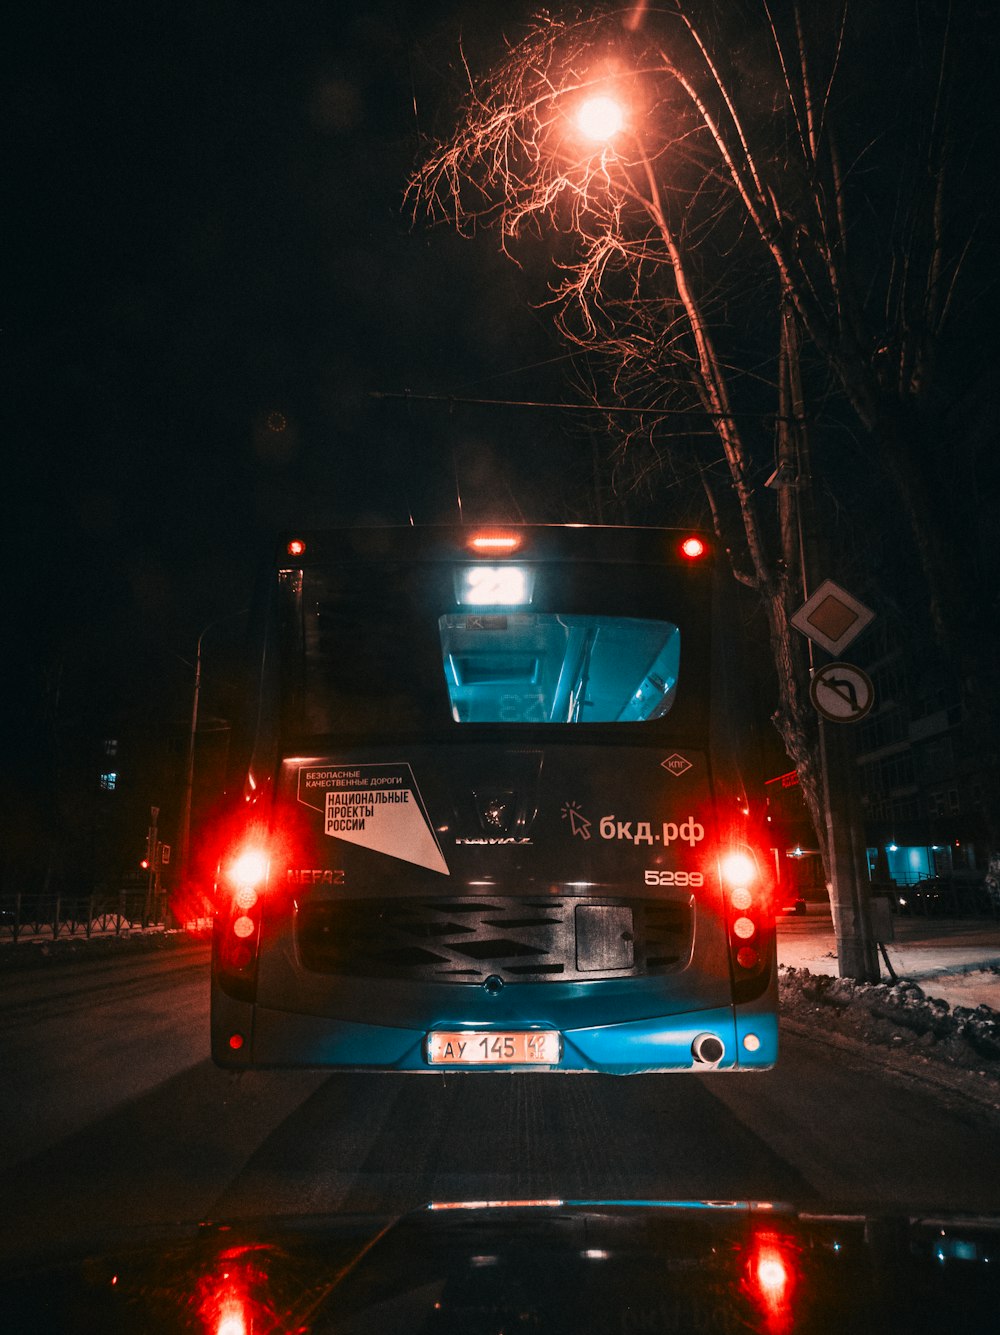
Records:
x=238, y=957
x=692, y=548
x=747, y=957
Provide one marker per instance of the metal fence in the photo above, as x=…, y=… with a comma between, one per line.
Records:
x=28, y=916
x=947, y=897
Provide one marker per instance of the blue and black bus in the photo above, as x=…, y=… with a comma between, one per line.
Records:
x=494, y=811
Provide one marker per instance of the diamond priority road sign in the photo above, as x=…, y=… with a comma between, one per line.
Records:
x=841, y=692
x=832, y=617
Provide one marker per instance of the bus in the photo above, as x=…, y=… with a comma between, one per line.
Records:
x=494, y=811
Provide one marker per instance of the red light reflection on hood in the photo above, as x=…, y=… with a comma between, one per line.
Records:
x=772, y=1277
x=234, y=1298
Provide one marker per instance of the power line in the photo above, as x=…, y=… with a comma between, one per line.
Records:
x=407, y=396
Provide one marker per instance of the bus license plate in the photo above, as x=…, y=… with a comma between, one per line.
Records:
x=465, y=1048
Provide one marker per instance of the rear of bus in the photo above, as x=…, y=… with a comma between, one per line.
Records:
x=495, y=817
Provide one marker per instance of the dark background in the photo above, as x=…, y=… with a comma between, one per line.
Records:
x=212, y=274
x=213, y=282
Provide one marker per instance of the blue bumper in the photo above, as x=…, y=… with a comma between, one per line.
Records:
x=749, y=1038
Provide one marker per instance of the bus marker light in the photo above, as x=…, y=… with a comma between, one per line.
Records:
x=751, y=1042
x=692, y=548
x=244, y=927
x=236, y=1041
x=246, y=897
x=747, y=957
x=296, y=547
x=744, y=928
x=494, y=541
x=741, y=898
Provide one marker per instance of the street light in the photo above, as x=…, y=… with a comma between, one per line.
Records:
x=600, y=117
x=185, y=834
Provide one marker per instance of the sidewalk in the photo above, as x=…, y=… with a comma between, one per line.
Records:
x=955, y=959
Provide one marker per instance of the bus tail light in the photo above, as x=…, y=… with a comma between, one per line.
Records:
x=749, y=921
x=249, y=869
x=739, y=870
x=238, y=919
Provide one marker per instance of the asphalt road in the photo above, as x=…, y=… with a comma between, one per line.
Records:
x=113, y=1117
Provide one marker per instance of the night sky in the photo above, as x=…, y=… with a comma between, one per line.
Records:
x=211, y=278
x=214, y=274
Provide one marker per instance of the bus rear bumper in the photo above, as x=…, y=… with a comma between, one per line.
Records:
x=662, y=1043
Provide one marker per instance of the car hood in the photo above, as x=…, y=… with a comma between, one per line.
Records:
x=570, y=1266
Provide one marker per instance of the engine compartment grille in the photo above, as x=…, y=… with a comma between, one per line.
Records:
x=458, y=940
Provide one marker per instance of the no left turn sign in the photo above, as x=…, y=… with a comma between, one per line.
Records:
x=841, y=692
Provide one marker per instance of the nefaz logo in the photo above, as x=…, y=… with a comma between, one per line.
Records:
x=314, y=876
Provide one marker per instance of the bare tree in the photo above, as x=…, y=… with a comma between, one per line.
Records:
x=698, y=213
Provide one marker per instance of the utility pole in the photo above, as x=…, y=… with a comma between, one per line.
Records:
x=152, y=872
x=184, y=842
x=185, y=831
x=857, y=951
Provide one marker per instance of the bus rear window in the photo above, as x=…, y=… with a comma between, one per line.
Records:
x=385, y=649
x=547, y=668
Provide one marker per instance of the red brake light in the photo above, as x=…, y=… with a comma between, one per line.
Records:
x=738, y=871
x=249, y=869
x=748, y=914
x=692, y=548
x=490, y=542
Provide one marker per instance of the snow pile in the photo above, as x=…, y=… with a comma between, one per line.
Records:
x=893, y=1014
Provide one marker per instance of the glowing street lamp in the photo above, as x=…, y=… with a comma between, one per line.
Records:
x=600, y=117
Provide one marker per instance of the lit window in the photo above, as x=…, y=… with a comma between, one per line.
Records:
x=523, y=667
x=111, y=746
x=109, y=781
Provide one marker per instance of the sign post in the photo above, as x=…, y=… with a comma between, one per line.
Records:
x=841, y=693
x=832, y=618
